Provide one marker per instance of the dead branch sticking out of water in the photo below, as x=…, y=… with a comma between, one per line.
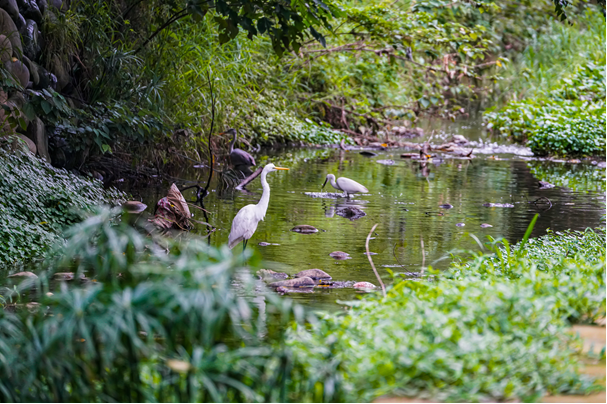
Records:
x=383, y=288
x=250, y=178
x=423, y=255
x=211, y=157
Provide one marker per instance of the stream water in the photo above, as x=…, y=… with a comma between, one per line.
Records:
x=405, y=201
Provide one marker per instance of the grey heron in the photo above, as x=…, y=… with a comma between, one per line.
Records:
x=238, y=157
x=246, y=220
x=345, y=184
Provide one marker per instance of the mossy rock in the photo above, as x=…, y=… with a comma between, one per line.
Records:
x=19, y=71
x=9, y=29
x=6, y=49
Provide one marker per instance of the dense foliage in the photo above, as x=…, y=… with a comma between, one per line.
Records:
x=566, y=114
x=489, y=329
x=39, y=201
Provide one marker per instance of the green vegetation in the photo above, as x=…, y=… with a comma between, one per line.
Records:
x=565, y=114
x=145, y=325
x=39, y=201
x=490, y=328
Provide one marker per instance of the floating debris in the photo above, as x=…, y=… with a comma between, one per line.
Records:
x=367, y=153
x=134, y=206
x=304, y=229
x=264, y=244
x=445, y=206
x=351, y=213
x=363, y=285
x=498, y=205
x=340, y=255
x=545, y=185
x=305, y=282
x=269, y=274
x=370, y=253
x=460, y=224
x=284, y=290
x=326, y=195
x=314, y=274
x=388, y=162
x=486, y=225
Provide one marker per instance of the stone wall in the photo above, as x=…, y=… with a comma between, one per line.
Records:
x=21, y=48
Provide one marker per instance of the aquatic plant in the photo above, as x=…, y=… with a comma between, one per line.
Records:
x=488, y=329
x=39, y=201
x=579, y=177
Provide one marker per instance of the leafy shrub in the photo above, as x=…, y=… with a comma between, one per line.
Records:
x=39, y=201
x=491, y=329
x=157, y=321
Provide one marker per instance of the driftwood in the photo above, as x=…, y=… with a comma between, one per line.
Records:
x=250, y=178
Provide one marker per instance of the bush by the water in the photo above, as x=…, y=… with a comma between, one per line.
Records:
x=494, y=329
x=579, y=177
x=565, y=114
x=39, y=201
x=159, y=320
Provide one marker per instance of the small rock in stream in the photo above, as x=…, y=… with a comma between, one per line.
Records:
x=445, y=206
x=367, y=153
x=26, y=274
x=304, y=282
x=284, y=290
x=388, y=162
x=340, y=255
x=460, y=224
x=545, y=185
x=264, y=244
x=267, y=274
x=313, y=274
x=363, y=285
x=304, y=229
x=484, y=225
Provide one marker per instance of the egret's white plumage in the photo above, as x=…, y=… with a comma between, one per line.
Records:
x=246, y=220
x=345, y=184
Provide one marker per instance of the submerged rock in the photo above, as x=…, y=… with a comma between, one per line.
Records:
x=351, y=213
x=445, y=206
x=545, y=185
x=340, y=255
x=484, y=225
x=269, y=274
x=335, y=284
x=313, y=274
x=305, y=282
x=304, y=228
x=367, y=153
x=284, y=290
x=460, y=224
x=363, y=285
x=498, y=205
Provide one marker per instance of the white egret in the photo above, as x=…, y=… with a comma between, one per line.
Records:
x=345, y=184
x=246, y=220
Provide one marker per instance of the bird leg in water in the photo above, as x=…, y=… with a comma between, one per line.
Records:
x=244, y=245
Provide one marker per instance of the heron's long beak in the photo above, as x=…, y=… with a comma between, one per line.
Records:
x=280, y=168
x=325, y=183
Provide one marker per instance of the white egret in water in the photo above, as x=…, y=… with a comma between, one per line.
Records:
x=345, y=184
x=247, y=218
x=238, y=157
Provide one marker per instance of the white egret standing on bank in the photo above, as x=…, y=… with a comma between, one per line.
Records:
x=246, y=220
x=345, y=184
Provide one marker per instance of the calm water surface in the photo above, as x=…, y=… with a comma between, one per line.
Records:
x=404, y=200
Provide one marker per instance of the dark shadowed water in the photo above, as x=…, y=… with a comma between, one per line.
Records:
x=405, y=201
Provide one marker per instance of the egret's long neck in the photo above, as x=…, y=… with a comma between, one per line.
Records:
x=265, y=196
x=333, y=184
x=233, y=142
